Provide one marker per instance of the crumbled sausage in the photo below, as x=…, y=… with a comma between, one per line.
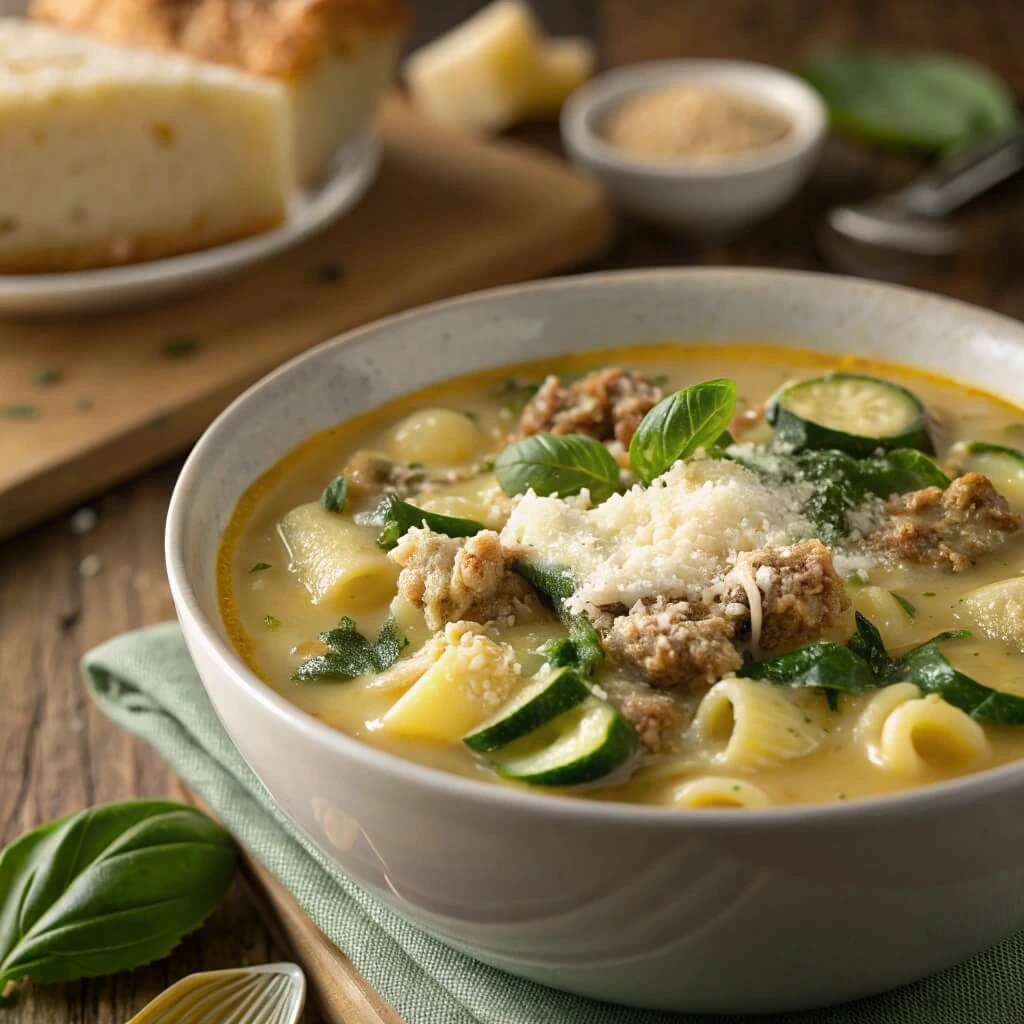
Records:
x=948, y=529
x=461, y=578
x=675, y=643
x=656, y=717
x=801, y=594
x=368, y=473
x=606, y=404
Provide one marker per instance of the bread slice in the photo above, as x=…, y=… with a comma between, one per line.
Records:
x=110, y=155
x=333, y=57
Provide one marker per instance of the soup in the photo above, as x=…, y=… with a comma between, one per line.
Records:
x=680, y=575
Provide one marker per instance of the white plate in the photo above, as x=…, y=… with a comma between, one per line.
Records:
x=352, y=172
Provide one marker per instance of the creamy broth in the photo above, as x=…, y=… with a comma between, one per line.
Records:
x=274, y=620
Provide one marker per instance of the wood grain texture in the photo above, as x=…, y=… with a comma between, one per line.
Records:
x=57, y=754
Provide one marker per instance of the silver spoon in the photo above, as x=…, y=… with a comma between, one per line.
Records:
x=271, y=994
x=911, y=220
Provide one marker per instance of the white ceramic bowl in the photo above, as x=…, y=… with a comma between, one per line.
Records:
x=702, y=199
x=685, y=910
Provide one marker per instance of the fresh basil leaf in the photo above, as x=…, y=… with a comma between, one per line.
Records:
x=867, y=643
x=680, y=424
x=930, y=102
x=560, y=465
x=395, y=518
x=825, y=665
x=556, y=584
x=928, y=668
x=898, y=472
x=334, y=495
x=108, y=890
x=350, y=655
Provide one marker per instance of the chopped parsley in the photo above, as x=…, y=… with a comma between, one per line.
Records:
x=259, y=567
x=181, y=346
x=909, y=610
x=18, y=411
x=334, y=495
x=271, y=622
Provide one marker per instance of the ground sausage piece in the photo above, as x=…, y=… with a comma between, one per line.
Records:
x=461, y=578
x=370, y=473
x=675, y=643
x=801, y=594
x=655, y=717
x=948, y=529
x=606, y=404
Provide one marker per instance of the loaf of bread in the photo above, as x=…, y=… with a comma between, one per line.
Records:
x=334, y=58
x=112, y=155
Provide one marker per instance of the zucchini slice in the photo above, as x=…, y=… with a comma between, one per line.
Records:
x=536, y=704
x=1003, y=466
x=592, y=741
x=848, y=412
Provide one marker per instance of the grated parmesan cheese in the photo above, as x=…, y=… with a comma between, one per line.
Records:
x=678, y=537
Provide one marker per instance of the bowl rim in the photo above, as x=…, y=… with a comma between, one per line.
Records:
x=940, y=797
x=808, y=115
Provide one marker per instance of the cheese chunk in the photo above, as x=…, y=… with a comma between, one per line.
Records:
x=110, y=155
x=565, y=64
x=680, y=536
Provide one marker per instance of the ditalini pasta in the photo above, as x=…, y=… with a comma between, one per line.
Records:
x=696, y=576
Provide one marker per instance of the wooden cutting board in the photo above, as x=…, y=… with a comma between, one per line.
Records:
x=90, y=401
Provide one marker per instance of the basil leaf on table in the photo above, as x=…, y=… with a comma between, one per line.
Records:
x=930, y=102
x=677, y=426
x=110, y=889
x=350, y=655
x=395, y=518
x=556, y=584
x=560, y=465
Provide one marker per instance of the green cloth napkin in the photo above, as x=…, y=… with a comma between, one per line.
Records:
x=145, y=681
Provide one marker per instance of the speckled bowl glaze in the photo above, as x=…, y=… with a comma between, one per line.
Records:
x=752, y=911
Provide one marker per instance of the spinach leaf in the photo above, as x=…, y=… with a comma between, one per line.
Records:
x=350, y=655
x=825, y=665
x=108, y=890
x=556, y=584
x=333, y=497
x=930, y=102
x=927, y=667
x=395, y=518
x=908, y=608
x=561, y=465
x=867, y=643
x=898, y=472
x=678, y=425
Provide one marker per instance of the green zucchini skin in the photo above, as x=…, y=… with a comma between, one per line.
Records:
x=533, y=707
x=795, y=432
x=609, y=750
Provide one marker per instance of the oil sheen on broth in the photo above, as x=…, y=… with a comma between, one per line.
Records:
x=754, y=742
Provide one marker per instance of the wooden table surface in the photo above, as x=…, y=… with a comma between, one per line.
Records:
x=58, y=755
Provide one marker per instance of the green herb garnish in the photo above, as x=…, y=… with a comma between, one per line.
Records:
x=560, y=465
x=680, y=424
x=334, y=494
x=181, y=346
x=18, y=411
x=909, y=609
x=350, y=655
x=46, y=377
x=259, y=567
x=516, y=394
x=271, y=622
x=108, y=890
x=395, y=518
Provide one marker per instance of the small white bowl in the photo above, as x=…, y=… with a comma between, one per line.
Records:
x=705, y=198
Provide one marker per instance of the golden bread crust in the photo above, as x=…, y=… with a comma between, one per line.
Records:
x=275, y=38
